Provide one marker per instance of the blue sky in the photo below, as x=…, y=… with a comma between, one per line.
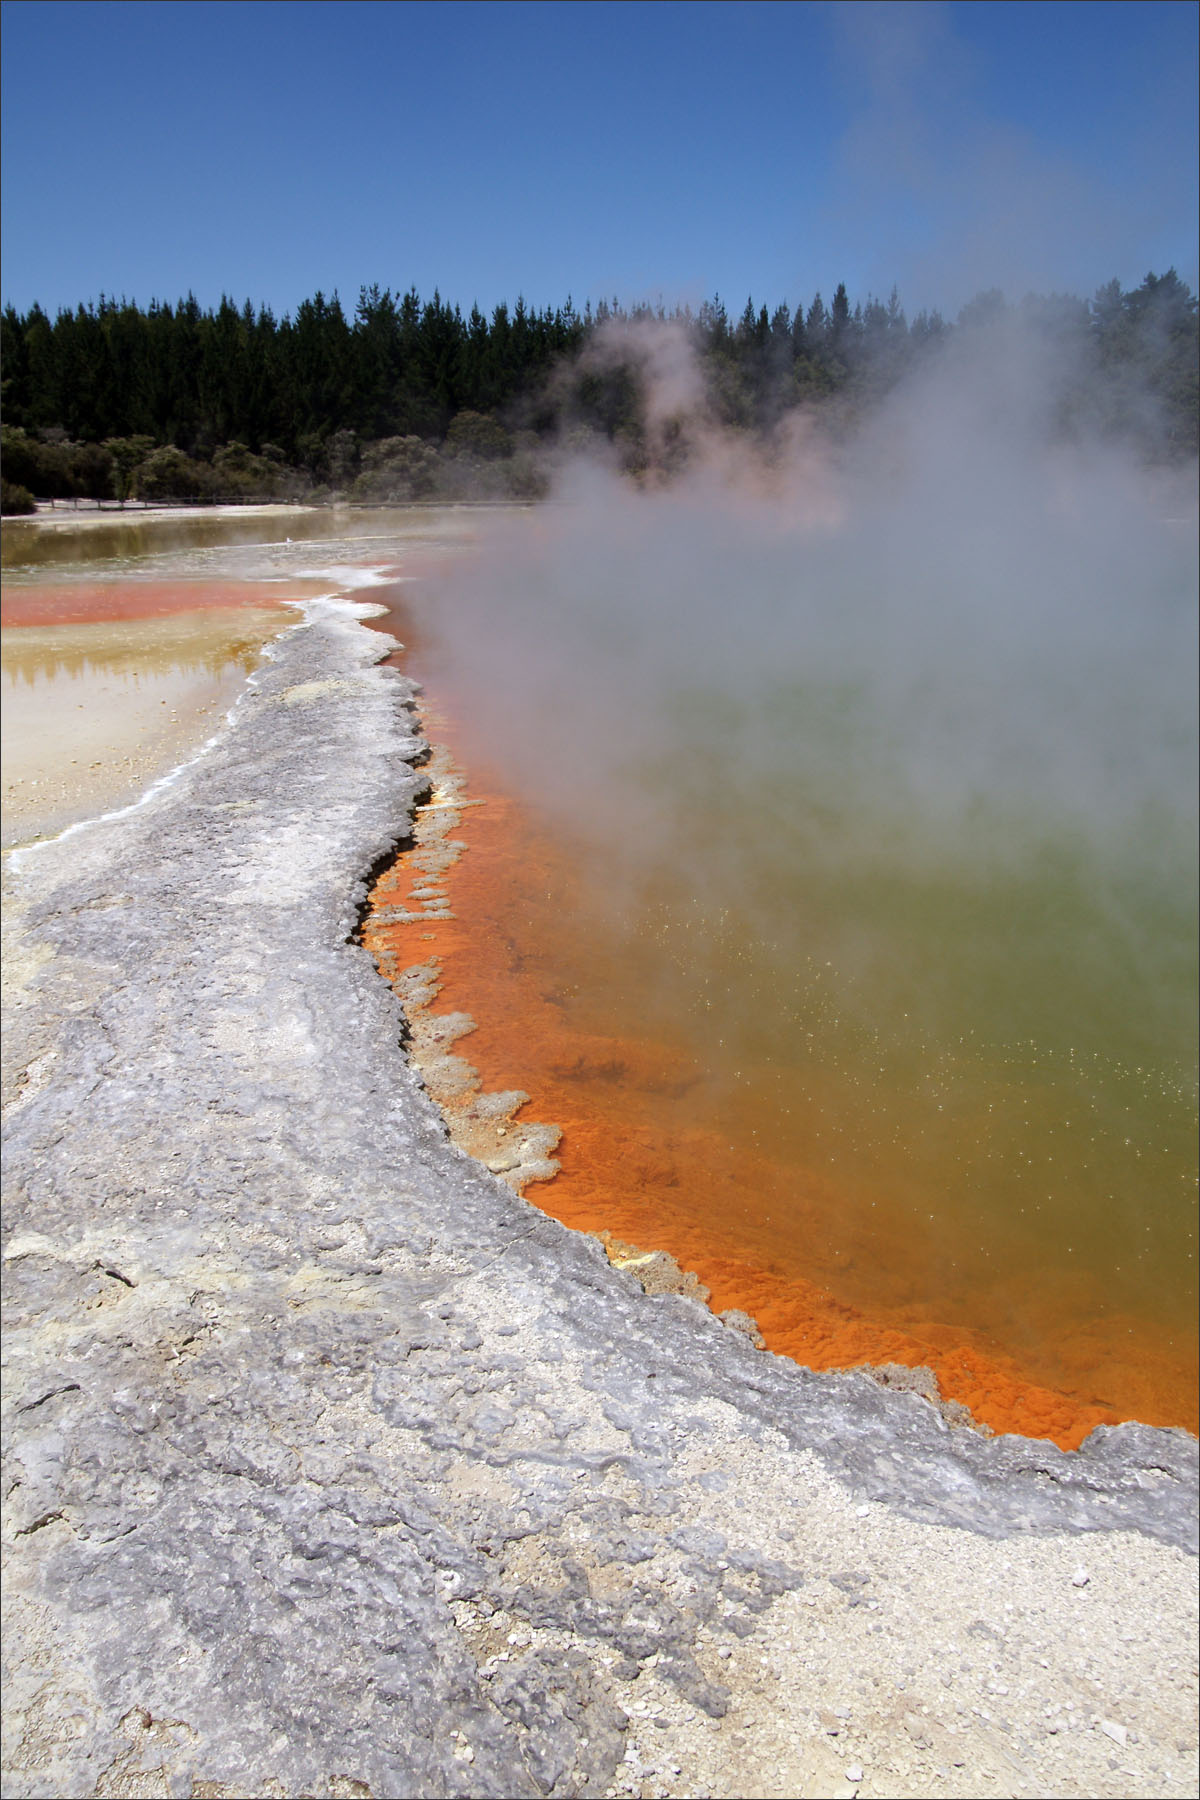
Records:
x=562, y=147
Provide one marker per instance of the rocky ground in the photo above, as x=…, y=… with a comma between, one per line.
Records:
x=335, y=1468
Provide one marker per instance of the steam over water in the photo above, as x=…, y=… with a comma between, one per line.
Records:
x=883, y=773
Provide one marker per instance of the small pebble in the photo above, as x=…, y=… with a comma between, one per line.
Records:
x=1080, y=1578
x=854, y=1774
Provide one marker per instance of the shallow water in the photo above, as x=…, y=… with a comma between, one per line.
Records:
x=83, y=539
x=92, y=711
x=143, y=540
x=111, y=679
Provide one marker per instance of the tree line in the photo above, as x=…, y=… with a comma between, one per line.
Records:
x=411, y=399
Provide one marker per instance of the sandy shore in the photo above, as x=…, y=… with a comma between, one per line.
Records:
x=335, y=1467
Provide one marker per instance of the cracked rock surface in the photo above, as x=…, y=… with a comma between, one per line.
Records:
x=335, y=1468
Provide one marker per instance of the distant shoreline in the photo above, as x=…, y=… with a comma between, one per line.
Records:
x=64, y=516
x=68, y=515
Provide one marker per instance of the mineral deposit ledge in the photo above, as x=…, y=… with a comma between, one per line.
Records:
x=333, y=1468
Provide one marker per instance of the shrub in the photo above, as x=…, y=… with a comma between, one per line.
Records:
x=167, y=474
x=397, y=468
x=477, y=435
x=16, y=499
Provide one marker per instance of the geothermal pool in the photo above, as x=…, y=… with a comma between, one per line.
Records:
x=901, y=1063
x=863, y=982
x=895, y=1116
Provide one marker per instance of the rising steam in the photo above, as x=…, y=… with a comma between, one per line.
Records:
x=1004, y=616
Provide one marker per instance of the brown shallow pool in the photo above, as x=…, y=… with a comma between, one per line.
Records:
x=108, y=685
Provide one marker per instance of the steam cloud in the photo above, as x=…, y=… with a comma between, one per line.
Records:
x=1014, y=616
x=944, y=651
